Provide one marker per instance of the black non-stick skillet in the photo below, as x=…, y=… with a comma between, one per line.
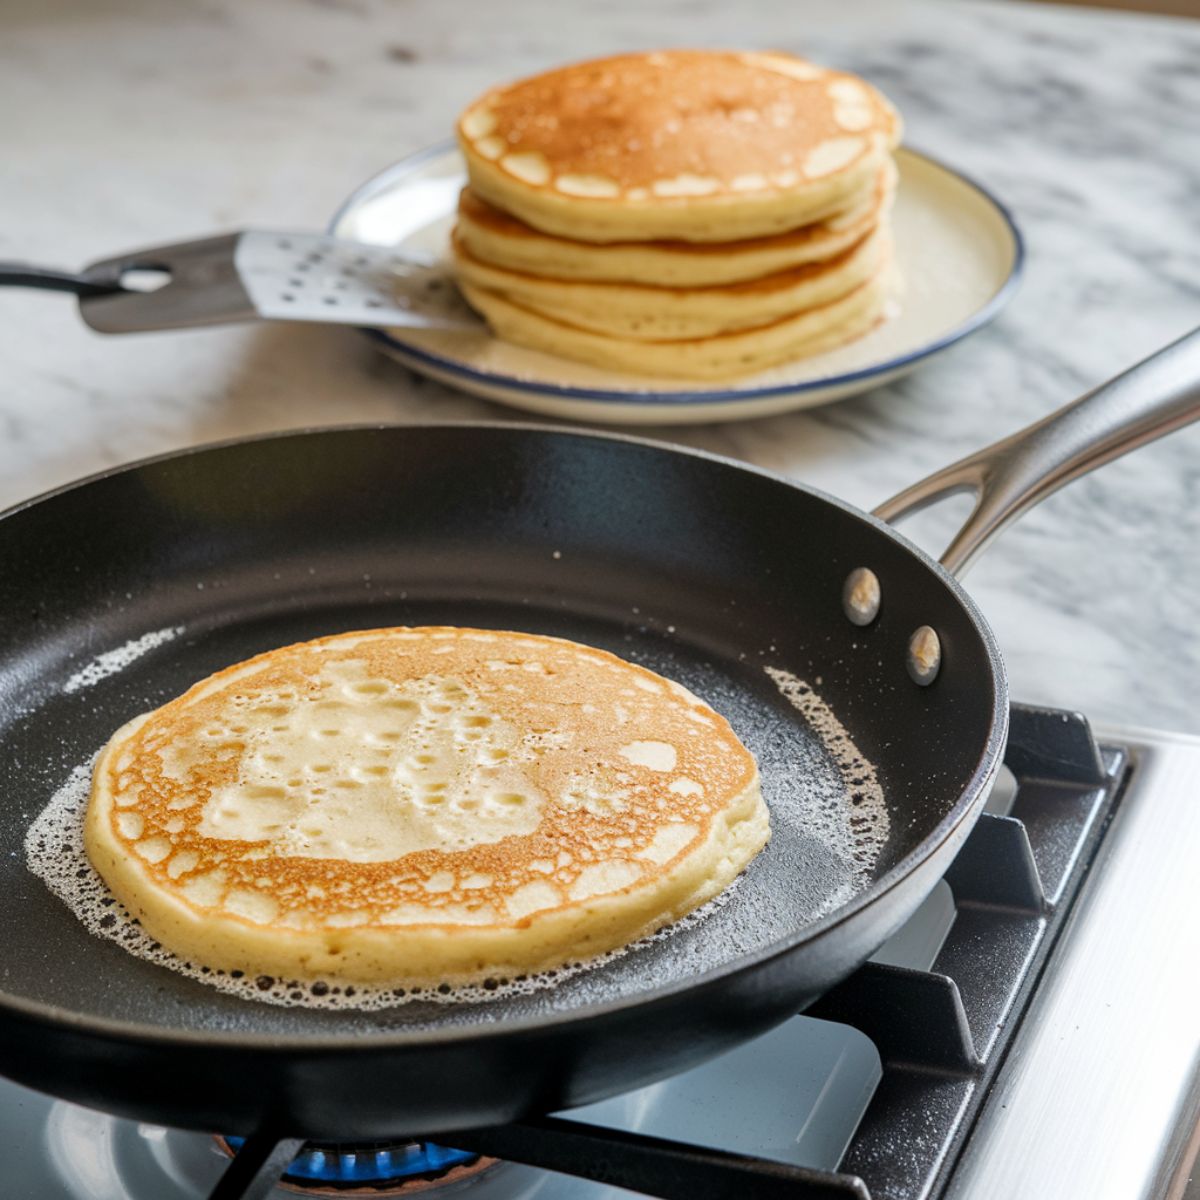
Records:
x=703, y=569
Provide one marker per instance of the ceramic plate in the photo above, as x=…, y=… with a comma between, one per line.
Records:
x=959, y=254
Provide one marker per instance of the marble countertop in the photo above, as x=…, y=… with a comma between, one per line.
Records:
x=127, y=123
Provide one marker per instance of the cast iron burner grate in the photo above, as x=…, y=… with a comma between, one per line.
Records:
x=941, y=1034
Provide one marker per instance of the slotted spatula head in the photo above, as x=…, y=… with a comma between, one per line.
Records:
x=275, y=277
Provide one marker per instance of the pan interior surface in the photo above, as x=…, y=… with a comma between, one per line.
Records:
x=131, y=587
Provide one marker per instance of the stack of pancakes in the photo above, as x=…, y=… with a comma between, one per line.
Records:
x=699, y=214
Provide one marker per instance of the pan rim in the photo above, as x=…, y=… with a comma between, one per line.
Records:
x=373, y=1041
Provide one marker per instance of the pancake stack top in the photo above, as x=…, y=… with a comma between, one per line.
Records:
x=700, y=214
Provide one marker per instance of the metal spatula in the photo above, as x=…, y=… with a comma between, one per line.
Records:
x=258, y=275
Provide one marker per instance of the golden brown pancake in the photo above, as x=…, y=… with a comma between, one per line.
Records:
x=730, y=355
x=420, y=805
x=496, y=238
x=695, y=145
x=644, y=312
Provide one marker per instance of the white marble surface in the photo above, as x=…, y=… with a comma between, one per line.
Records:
x=129, y=121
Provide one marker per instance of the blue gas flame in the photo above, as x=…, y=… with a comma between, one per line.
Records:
x=368, y=1164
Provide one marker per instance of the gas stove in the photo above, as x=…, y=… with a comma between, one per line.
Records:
x=1032, y=1031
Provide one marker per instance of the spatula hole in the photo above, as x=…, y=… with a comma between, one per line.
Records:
x=145, y=279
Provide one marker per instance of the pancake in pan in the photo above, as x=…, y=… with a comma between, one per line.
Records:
x=421, y=805
x=684, y=144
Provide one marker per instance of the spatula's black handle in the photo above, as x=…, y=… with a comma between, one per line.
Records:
x=17, y=274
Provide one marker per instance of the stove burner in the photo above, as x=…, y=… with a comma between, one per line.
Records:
x=372, y=1168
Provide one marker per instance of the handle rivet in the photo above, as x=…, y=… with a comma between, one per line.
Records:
x=861, y=596
x=924, y=656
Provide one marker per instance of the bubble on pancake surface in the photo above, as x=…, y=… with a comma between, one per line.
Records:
x=594, y=185
x=832, y=154
x=479, y=122
x=373, y=770
x=530, y=166
x=491, y=147
x=853, y=109
x=785, y=64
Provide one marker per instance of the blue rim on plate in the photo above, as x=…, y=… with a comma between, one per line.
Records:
x=728, y=396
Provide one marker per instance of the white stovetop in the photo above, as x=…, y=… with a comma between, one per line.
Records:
x=128, y=123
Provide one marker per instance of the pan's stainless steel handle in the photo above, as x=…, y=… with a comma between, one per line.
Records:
x=1156, y=397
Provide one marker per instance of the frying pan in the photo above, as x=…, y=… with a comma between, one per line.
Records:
x=698, y=567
